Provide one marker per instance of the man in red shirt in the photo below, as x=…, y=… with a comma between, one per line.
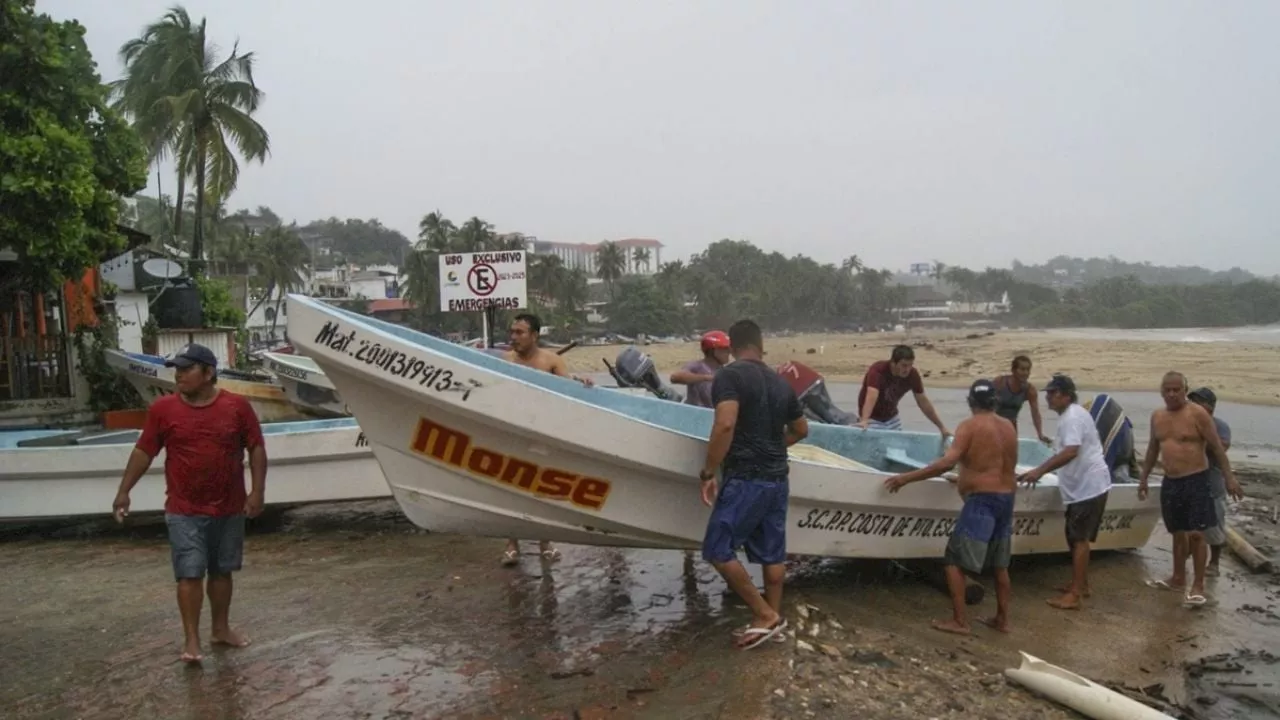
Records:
x=883, y=387
x=204, y=433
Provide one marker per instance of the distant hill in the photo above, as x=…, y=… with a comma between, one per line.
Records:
x=1064, y=271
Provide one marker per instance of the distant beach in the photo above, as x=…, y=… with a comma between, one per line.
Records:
x=1240, y=364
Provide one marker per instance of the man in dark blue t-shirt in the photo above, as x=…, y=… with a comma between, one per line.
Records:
x=757, y=417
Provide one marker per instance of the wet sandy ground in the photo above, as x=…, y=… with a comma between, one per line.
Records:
x=355, y=614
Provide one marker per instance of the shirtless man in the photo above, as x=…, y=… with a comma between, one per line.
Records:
x=525, y=330
x=986, y=448
x=1180, y=435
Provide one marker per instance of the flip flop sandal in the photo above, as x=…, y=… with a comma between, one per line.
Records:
x=1193, y=600
x=510, y=557
x=1160, y=585
x=756, y=637
x=191, y=659
x=737, y=634
x=551, y=555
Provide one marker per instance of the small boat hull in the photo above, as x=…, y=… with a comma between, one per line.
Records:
x=471, y=444
x=308, y=462
x=305, y=385
x=148, y=375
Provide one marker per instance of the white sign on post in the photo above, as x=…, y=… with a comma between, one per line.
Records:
x=470, y=282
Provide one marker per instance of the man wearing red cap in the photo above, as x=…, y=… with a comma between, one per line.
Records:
x=698, y=374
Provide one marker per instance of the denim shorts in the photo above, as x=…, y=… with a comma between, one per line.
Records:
x=200, y=544
x=751, y=514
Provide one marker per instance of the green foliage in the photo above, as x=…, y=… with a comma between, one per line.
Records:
x=363, y=242
x=1081, y=271
x=1128, y=303
x=108, y=390
x=220, y=308
x=243, y=361
x=65, y=156
x=641, y=307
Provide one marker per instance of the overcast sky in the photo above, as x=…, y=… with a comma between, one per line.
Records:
x=967, y=132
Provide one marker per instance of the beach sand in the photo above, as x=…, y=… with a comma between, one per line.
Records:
x=1238, y=372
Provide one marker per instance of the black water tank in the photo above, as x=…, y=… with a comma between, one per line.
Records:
x=178, y=306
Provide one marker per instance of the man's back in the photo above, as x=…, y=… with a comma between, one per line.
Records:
x=766, y=403
x=990, y=454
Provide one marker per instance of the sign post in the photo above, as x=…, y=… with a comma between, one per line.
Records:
x=484, y=281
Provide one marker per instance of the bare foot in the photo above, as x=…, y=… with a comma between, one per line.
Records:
x=1211, y=570
x=231, y=638
x=1066, y=590
x=951, y=626
x=996, y=623
x=191, y=653
x=1069, y=601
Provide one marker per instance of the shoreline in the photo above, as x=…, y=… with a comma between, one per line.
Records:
x=954, y=383
x=1238, y=372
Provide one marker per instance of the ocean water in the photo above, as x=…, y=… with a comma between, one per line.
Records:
x=1252, y=334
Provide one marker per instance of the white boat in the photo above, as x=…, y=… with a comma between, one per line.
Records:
x=305, y=385
x=148, y=375
x=474, y=445
x=48, y=474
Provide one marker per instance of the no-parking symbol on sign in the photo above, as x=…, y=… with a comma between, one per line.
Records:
x=475, y=281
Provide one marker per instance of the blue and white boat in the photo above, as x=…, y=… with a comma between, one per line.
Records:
x=475, y=445
x=305, y=385
x=148, y=375
x=48, y=474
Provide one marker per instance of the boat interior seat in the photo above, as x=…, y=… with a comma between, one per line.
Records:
x=900, y=457
x=822, y=456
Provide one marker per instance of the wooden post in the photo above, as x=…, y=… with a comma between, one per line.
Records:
x=1247, y=553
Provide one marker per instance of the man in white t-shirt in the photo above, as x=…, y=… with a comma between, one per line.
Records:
x=1083, y=481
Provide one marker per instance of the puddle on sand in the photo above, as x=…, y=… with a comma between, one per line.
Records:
x=370, y=620
x=373, y=618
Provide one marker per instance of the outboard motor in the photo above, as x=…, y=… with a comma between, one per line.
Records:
x=811, y=389
x=634, y=369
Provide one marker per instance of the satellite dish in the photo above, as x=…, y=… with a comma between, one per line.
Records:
x=162, y=268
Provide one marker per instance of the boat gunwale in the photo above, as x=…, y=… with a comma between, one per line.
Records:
x=352, y=367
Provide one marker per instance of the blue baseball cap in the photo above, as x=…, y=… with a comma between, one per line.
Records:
x=190, y=355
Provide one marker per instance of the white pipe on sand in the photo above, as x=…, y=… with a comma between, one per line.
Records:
x=1078, y=693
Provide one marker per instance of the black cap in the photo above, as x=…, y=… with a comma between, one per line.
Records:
x=1062, y=384
x=982, y=393
x=191, y=354
x=1203, y=395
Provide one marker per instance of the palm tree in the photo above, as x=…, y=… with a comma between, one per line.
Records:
x=281, y=257
x=185, y=102
x=547, y=276
x=640, y=256
x=611, y=262
x=852, y=265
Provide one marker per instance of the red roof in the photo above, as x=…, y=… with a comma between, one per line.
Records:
x=389, y=305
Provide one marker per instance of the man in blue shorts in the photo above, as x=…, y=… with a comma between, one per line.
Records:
x=757, y=417
x=986, y=449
